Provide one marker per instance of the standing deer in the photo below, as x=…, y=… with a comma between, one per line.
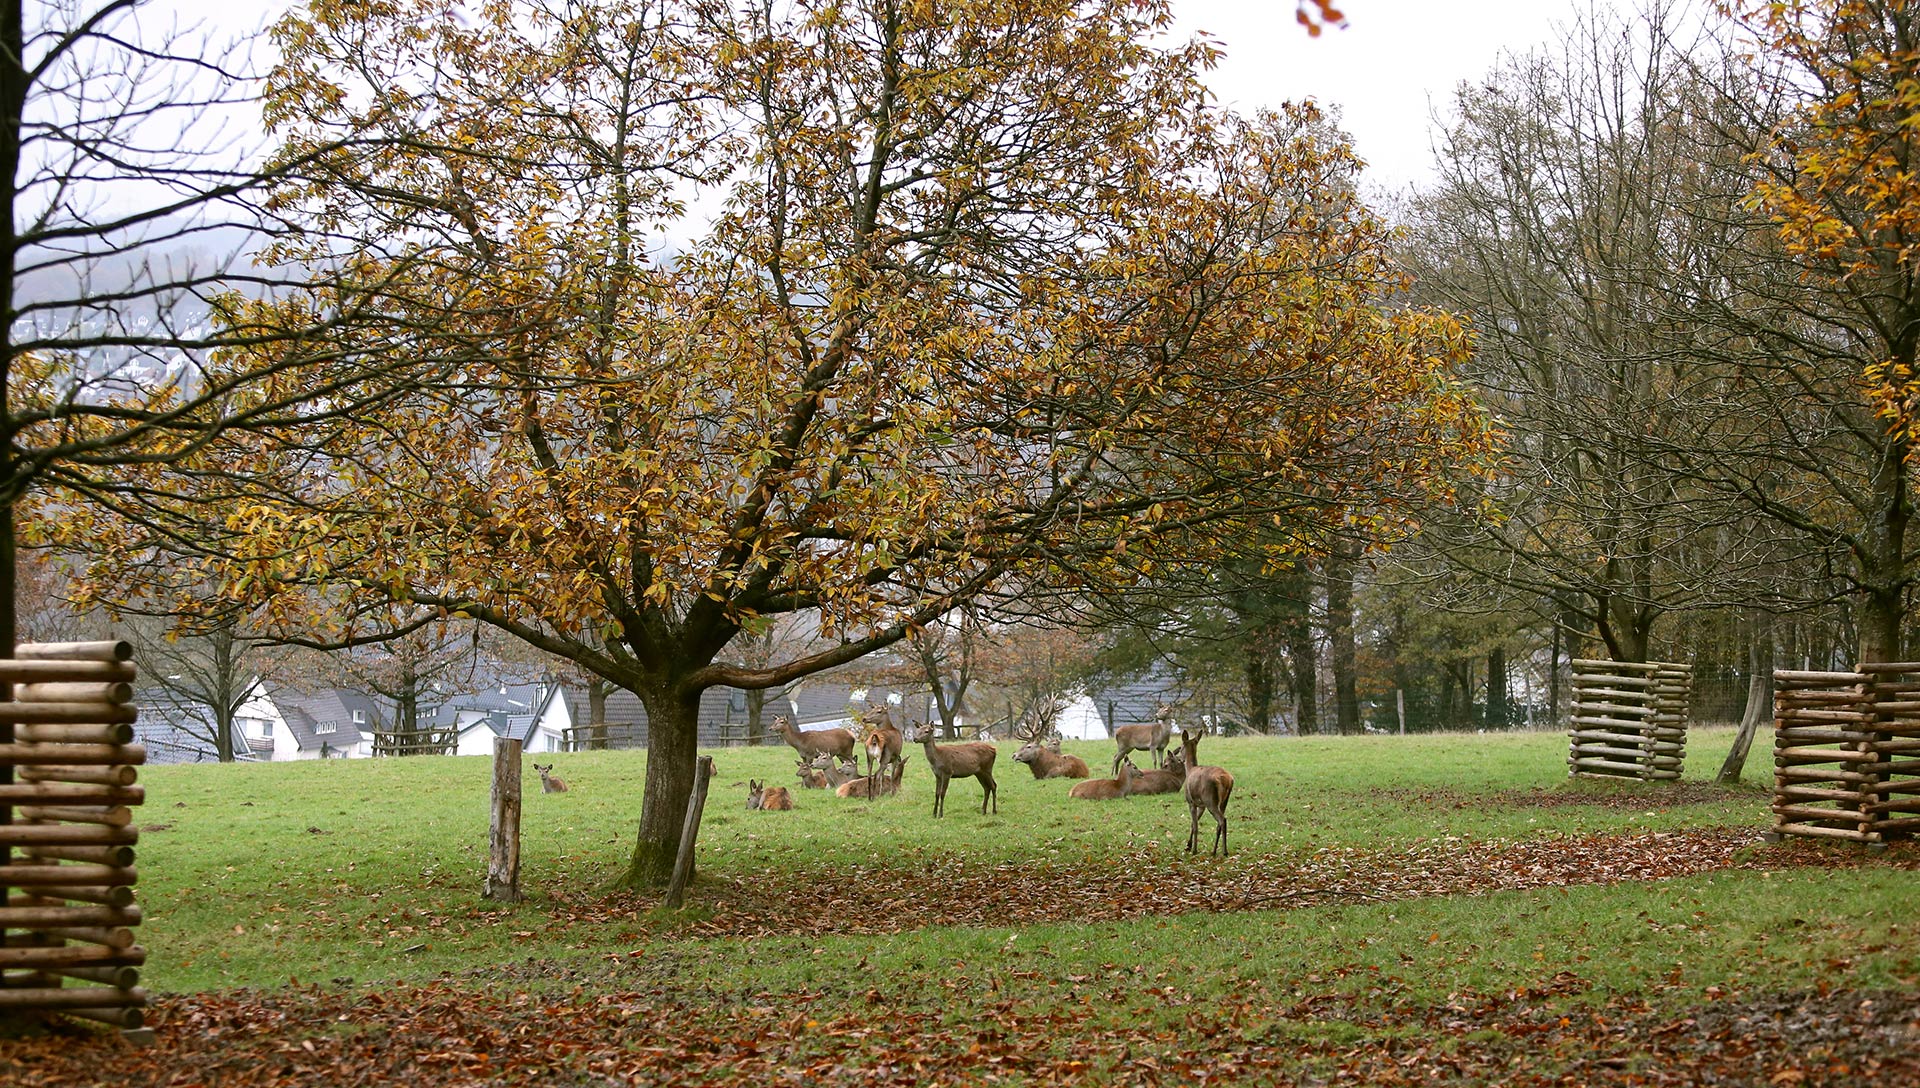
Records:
x=949, y=761
x=884, y=742
x=1046, y=763
x=1107, y=789
x=1169, y=779
x=1151, y=739
x=550, y=782
x=768, y=798
x=810, y=744
x=1206, y=788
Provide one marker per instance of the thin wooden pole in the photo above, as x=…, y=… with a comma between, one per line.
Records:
x=689, y=834
x=503, y=836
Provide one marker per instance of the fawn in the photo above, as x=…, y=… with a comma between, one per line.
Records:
x=550, y=782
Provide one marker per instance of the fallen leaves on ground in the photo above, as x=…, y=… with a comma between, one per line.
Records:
x=440, y=1036
x=953, y=890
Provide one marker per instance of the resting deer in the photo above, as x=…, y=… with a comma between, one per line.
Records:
x=811, y=777
x=768, y=798
x=1107, y=789
x=839, y=742
x=883, y=783
x=884, y=742
x=1206, y=788
x=1045, y=763
x=949, y=761
x=1169, y=779
x=550, y=782
x=1151, y=739
x=836, y=775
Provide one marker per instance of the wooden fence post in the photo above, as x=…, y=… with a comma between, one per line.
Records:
x=689, y=834
x=503, y=837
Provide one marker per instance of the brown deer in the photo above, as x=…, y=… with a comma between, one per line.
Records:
x=836, y=775
x=1151, y=738
x=884, y=742
x=882, y=783
x=811, y=777
x=949, y=761
x=1169, y=779
x=550, y=782
x=768, y=798
x=1206, y=788
x=1046, y=763
x=810, y=744
x=1107, y=789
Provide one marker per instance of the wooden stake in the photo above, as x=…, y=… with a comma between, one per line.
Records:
x=689, y=834
x=503, y=836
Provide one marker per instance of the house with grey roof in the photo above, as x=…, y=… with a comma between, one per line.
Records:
x=175, y=730
x=281, y=724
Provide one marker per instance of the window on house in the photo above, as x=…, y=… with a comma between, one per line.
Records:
x=263, y=728
x=324, y=727
x=359, y=717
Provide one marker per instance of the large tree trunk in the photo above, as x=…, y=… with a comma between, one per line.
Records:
x=597, y=714
x=1295, y=597
x=756, y=709
x=1346, y=697
x=1259, y=669
x=1759, y=707
x=673, y=741
x=1499, y=716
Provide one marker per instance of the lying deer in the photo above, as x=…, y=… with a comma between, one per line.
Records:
x=1206, y=788
x=1046, y=763
x=836, y=775
x=883, y=783
x=1151, y=739
x=949, y=761
x=811, y=777
x=839, y=742
x=1169, y=779
x=768, y=798
x=550, y=782
x=1107, y=789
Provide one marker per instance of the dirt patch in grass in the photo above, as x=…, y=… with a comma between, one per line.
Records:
x=1623, y=796
x=439, y=1036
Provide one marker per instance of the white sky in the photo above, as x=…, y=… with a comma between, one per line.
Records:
x=1389, y=71
x=1393, y=67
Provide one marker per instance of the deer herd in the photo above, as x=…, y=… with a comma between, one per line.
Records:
x=827, y=762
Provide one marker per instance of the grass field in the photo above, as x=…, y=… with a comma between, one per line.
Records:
x=1454, y=896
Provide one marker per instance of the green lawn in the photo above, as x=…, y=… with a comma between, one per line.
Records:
x=1390, y=900
x=370, y=870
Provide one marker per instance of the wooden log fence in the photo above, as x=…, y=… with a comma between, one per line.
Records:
x=1629, y=719
x=1846, y=753
x=67, y=773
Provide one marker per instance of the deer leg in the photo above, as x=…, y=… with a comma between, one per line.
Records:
x=939, y=793
x=989, y=790
x=1193, y=829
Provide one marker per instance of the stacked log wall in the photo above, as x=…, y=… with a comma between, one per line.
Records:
x=67, y=927
x=1846, y=753
x=1629, y=719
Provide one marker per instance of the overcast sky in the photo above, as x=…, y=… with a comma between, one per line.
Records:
x=1396, y=63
